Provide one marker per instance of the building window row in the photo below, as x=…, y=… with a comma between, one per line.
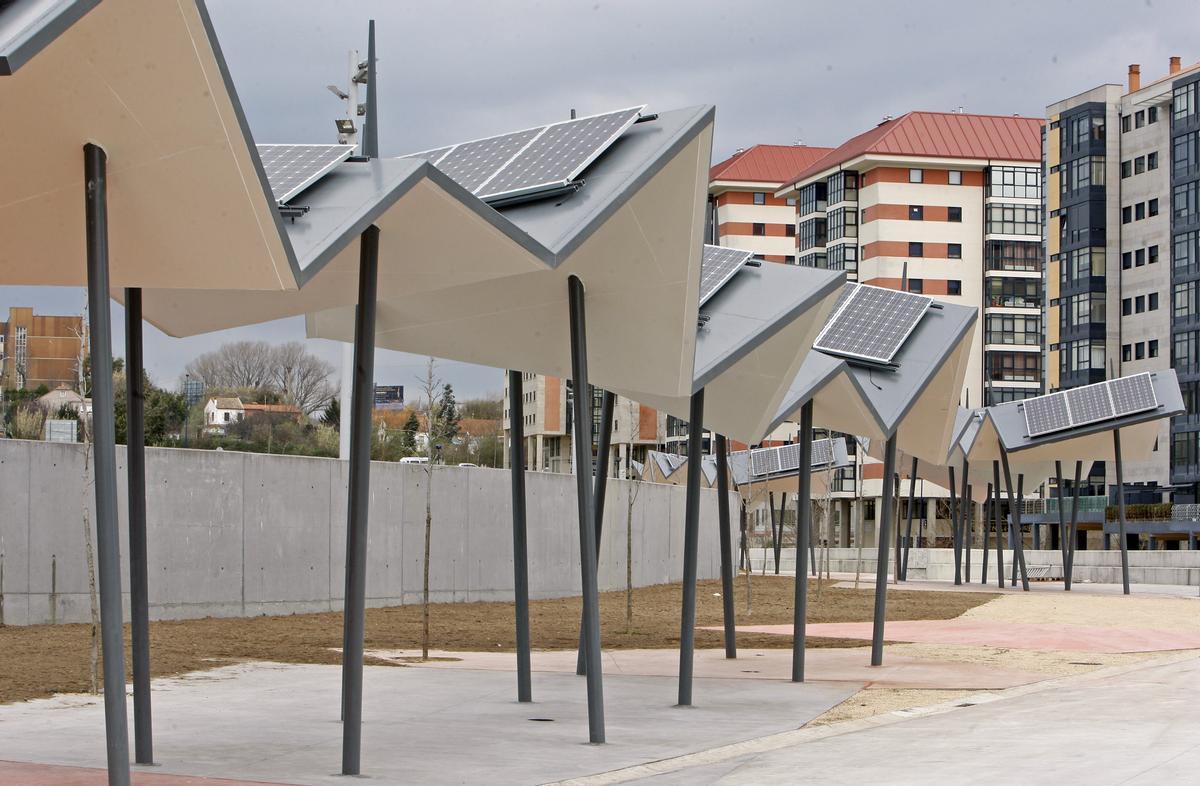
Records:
x=810, y=234
x=1185, y=153
x=1014, y=220
x=1184, y=201
x=1183, y=101
x=842, y=222
x=1139, y=210
x=1082, y=173
x=1014, y=292
x=1013, y=329
x=1140, y=118
x=1081, y=130
x=812, y=260
x=1005, y=395
x=1186, y=254
x=1014, y=366
x=1012, y=255
x=1014, y=182
x=843, y=256
x=1139, y=257
x=1082, y=263
x=1139, y=304
x=813, y=198
x=1185, y=300
x=1075, y=356
x=1138, y=165
x=1139, y=351
x=1185, y=352
x=843, y=187
x=1081, y=310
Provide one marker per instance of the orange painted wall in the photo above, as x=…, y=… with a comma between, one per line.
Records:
x=552, y=404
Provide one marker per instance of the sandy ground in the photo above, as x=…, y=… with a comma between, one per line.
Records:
x=42, y=660
x=1094, y=610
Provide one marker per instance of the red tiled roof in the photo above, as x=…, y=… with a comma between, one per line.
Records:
x=766, y=163
x=941, y=135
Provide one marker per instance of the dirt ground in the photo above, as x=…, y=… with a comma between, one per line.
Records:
x=38, y=661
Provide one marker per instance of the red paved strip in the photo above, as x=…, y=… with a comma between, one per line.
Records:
x=1014, y=635
x=15, y=773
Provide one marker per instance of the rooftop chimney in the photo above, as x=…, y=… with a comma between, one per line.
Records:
x=1174, y=69
x=1135, y=77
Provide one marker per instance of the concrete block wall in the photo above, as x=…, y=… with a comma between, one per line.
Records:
x=243, y=534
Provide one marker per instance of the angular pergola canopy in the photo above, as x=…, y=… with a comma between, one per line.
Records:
x=28, y=26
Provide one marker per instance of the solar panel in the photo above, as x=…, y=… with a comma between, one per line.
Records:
x=822, y=452
x=292, y=168
x=786, y=458
x=717, y=267
x=872, y=323
x=559, y=154
x=1046, y=413
x=1133, y=394
x=764, y=461
x=1089, y=404
x=789, y=457
x=535, y=159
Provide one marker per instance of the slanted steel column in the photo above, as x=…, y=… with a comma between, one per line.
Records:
x=600, y=487
x=987, y=511
x=1062, y=514
x=999, y=525
x=370, y=142
x=1015, y=512
x=108, y=540
x=774, y=535
x=1121, y=511
x=726, y=536
x=135, y=472
x=964, y=513
x=912, y=495
x=881, y=556
x=779, y=536
x=691, y=547
x=359, y=492
x=1070, y=568
x=954, y=528
x=803, y=535
x=582, y=439
x=516, y=462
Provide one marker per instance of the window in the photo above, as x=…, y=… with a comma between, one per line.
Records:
x=1139, y=165
x=1013, y=329
x=1125, y=123
x=1152, y=347
x=916, y=249
x=1184, y=200
x=1139, y=119
x=810, y=234
x=1139, y=211
x=1186, y=254
x=1152, y=160
x=954, y=250
x=1186, y=300
x=1081, y=173
x=760, y=198
x=1152, y=207
x=1185, y=153
x=226, y=417
x=1152, y=255
x=1127, y=307
x=1014, y=220
x=1126, y=352
x=1139, y=257
x=759, y=229
x=1018, y=182
x=1126, y=214
x=1152, y=115
x=789, y=230
x=1012, y=292
x=1013, y=366
x=916, y=175
x=843, y=222
x=1152, y=301
x=1183, y=101
x=791, y=201
x=1186, y=350
x=954, y=214
x=916, y=285
x=1139, y=304
x=1126, y=260
x=789, y=259
x=1139, y=351
x=954, y=287
x=1015, y=255
x=954, y=177
x=812, y=198
x=1126, y=169
x=843, y=187
x=916, y=212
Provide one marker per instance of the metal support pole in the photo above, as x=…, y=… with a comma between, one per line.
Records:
x=691, y=547
x=135, y=463
x=954, y=529
x=600, y=487
x=803, y=534
x=1068, y=573
x=987, y=511
x=774, y=536
x=371, y=129
x=881, y=556
x=1062, y=513
x=361, y=399
x=108, y=538
x=1121, y=511
x=999, y=524
x=726, y=536
x=1015, y=505
x=582, y=414
x=779, y=539
x=516, y=461
x=912, y=494
x=964, y=505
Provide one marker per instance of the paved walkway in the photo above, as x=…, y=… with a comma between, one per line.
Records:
x=846, y=580
x=993, y=633
x=13, y=772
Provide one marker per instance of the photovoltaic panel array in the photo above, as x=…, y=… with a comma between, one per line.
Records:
x=292, y=168
x=717, y=267
x=1089, y=404
x=764, y=461
x=786, y=458
x=872, y=323
x=533, y=160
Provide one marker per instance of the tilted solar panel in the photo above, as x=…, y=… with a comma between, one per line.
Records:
x=822, y=452
x=1089, y=404
x=1045, y=414
x=764, y=461
x=1133, y=394
x=872, y=323
x=471, y=164
x=718, y=266
x=292, y=168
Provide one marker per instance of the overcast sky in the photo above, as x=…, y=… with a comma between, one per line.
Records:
x=778, y=72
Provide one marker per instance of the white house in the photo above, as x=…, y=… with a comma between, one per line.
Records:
x=220, y=412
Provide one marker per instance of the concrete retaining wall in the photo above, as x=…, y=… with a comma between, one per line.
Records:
x=1091, y=565
x=239, y=534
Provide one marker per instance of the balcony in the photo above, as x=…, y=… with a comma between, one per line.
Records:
x=1012, y=301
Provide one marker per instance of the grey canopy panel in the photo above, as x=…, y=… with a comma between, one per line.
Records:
x=1089, y=404
x=718, y=267
x=531, y=160
x=27, y=26
x=292, y=168
x=872, y=323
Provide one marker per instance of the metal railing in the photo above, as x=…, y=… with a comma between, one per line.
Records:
x=1049, y=506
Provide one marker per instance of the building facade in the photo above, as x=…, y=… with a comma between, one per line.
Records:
x=38, y=350
x=1123, y=257
x=945, y=204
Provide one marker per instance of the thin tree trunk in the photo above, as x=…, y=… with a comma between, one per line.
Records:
x=425, y=579
x=91, y=572
x=629, y=555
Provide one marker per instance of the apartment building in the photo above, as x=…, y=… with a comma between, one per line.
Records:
x=949, y=205
x=38, y=350
x=743, y=205
x=1123, y=256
